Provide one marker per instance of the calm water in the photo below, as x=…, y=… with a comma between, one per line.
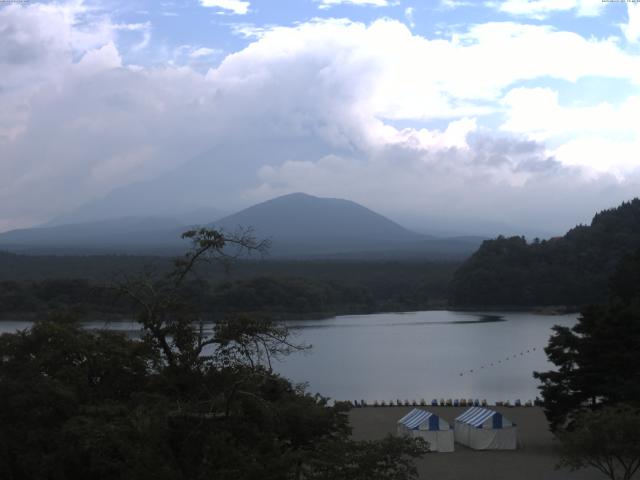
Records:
x=422, y=354
x=413, y=355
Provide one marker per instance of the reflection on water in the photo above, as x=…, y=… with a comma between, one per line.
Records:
x=297, y=325
x=411, y=356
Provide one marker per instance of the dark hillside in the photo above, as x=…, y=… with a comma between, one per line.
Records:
x=569, y=270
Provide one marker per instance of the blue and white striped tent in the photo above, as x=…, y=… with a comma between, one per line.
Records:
x=484, y=429
x=428, y=426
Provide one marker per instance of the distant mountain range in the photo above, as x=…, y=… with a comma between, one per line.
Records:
x=298, y=225
x=130, y=234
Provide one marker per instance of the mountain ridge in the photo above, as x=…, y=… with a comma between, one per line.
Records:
x=299, y=225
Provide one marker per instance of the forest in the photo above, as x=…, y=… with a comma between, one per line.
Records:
x=572, y=270
x=279, y=288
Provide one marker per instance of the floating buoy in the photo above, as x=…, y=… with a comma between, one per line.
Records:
x=493, y=364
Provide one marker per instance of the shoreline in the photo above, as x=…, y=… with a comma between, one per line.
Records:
x=555, y=310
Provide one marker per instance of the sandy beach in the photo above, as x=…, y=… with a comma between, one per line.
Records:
x=535, y=458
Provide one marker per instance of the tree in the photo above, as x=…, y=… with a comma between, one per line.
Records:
x=66, y=394
x=569, y=270
x=165, y=316
x=177, y=404
x=597, y=361
x=607, y=439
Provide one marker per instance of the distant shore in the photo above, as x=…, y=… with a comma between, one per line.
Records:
x=288, y=316
x=539, y=309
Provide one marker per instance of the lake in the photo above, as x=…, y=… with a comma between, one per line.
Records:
x=423, y=354
x=431, y=354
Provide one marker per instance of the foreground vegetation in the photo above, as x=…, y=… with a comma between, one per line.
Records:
x=592, y=397
x=175, y=404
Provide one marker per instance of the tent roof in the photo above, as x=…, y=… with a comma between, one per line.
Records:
x=415, y=418
x=476, y=416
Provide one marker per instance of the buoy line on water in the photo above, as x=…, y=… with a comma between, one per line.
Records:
x=499, y=362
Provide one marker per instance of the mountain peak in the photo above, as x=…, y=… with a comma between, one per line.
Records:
x=324, y=223
x=306, y=197
x=298, y=224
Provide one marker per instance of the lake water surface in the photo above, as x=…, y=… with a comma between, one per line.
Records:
x=416, y=355
x=423, y=354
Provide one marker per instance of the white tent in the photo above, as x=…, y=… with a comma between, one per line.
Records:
x=483, y=429
x=428, y=426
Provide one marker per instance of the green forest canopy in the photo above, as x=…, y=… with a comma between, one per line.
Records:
x=570, y=270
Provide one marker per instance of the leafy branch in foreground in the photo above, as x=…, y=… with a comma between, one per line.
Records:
x=167, y=319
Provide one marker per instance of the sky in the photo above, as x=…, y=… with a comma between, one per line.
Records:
x=522, y=112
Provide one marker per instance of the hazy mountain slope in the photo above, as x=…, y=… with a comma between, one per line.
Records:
x=306, y=220
x=569, y=270
x=115, y=233
x=299, y=226
x=175, y=215
x=211, y=178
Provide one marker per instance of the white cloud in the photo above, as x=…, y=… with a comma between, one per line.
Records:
x=452, y=4
x=133, y=27
x=408, y=14
x=75, y=122
x=237, y=7
x=409, y=76
x=307, y=107
x=541, y=9
x=204, y=52
x=144, y=28
x=631, y=29
x=476, y=182
x=93, y=61
x=603, y=137
x=537, y=111
x=374, y=3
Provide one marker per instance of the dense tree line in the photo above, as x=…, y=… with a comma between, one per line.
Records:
x=570, y=270
x=374, y=273
x=273, y=295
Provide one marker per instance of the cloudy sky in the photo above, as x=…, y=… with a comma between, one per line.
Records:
x=514, y=111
